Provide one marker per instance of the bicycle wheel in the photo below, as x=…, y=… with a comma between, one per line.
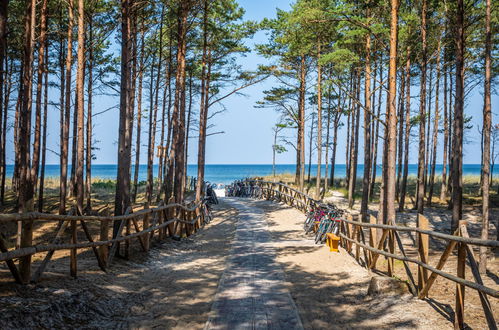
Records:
x=320, y=231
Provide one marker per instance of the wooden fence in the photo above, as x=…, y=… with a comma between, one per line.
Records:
x=142, y=227
x=367, y=241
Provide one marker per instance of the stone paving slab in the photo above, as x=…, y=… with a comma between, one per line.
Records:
x=251, y=293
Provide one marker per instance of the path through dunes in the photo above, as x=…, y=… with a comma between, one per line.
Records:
x=252, y=267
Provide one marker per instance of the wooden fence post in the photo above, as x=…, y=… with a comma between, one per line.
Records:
x=73, y=263
x=373, y=241
x=391, y=248
x=423, y=244
x=104, y=236
x=145, y=226
x=461, y=272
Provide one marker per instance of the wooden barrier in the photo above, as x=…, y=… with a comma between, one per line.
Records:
x=352, y=233
x=186, y=219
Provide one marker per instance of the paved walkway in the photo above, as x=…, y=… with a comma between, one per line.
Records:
x=251, y=293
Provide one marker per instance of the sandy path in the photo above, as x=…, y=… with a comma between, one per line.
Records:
x=252, y=293
x=171, y=287
x=330, y=289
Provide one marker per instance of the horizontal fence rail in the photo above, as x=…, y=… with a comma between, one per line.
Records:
x=109, y=231
x=376, y=240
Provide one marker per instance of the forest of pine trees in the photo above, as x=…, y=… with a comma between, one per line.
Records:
x=397, y=76
x=390, y=73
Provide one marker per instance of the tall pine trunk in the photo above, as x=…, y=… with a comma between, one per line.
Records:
x=407, y=135
x=301, y=121
x=319, y=125
x=65, y=118
x=44, y=135
x=203, y=113
x=179, y=104
x=26, y=189
x=39, y=93
x=80, y=108
x=3, y=92
x=376, y=132
x=139, y=118
x=457, y=141
x=122, y=198
x=354, y=144
x=88, y=151
x=391, y=119
x=153, y=113
x=367, y=131
x=422, y=117
x=487, y=118
x=435, y=129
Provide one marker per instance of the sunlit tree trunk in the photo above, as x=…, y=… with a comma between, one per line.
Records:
x=203, y=113
x=179, y=104
x=407, y=135
x=80, y=108
x=457, y=141
x=67, y=112
x=422, y=116
x=139, y=117
x=443, y=189
x=354, y=144
x=487, y=118
x=153, y=113
x=88, y=151
x=319, y=125
x=376, y=132
x=435, y=129
x=310, y=146
x=301, y=122
x=391, y=119
x=367, y=130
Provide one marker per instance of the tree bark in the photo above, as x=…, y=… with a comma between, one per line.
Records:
x=354, y=145
x=443, y=189
x=39, y=90
x=139, y=117
x=487, y=118
x=392, y=117
x=376, y=132
x=310, y=147
x=319, y=125
x=179, y=104
x=301, y=122
x=457, y=143
x=66, y=120
x=153, y=113
x=203, y=113
x=26, y=189
x=435, y=129
x=422, y=116
x=367, y=131
x=403, y=188
x=122, y=198
x=80, y=108
x=88, y=154
x=4, y=6
x=44, y=135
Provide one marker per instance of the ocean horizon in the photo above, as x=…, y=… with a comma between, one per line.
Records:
x=227, y=173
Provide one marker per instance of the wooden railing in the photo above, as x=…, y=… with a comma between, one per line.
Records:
x=142, y=226
x=367, y=241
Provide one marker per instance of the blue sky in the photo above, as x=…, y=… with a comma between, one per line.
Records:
x=248, y=130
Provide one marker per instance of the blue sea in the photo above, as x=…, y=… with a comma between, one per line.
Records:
x=229, y=173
